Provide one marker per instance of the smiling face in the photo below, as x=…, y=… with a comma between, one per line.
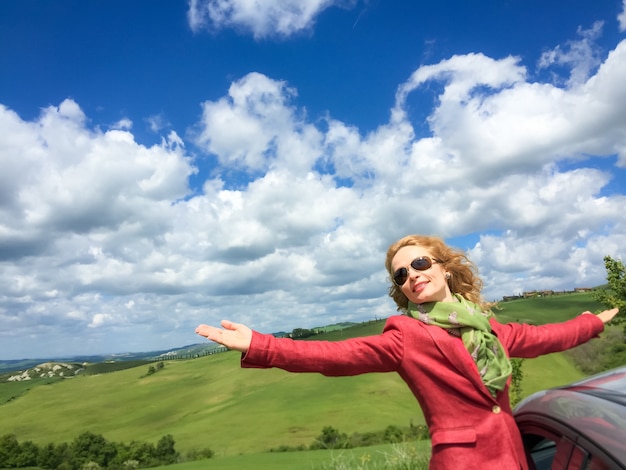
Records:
x=422, y=286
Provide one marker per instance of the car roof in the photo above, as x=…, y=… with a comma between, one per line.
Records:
x=594, y=407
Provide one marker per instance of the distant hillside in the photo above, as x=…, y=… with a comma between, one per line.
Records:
x=211, y=402
x=45, y=370
x=184, y=352
x=189, y=350
x=547, y=309
x=535, y=310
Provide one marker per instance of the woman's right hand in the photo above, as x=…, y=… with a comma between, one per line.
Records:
x=232, y=335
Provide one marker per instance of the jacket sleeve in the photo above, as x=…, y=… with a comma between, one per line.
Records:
x=528, y=341
x=380, y=353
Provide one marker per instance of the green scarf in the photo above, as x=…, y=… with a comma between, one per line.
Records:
x=467, y=320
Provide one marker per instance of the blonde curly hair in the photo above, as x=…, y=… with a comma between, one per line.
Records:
x=464, y=279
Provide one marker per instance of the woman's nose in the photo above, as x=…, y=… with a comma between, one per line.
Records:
x=413, y=273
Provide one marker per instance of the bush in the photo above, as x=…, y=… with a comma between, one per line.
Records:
x=9, y=450
x=394, y=435
x=199, y=454
x=330, y=438
x=601, y=354
x=90, y=452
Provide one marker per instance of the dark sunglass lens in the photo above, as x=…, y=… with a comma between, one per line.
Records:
x=421, y=264
x=399, y=277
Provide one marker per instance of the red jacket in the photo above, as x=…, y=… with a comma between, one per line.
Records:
x=469, y=428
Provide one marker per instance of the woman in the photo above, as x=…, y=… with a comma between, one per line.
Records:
x=448, y=348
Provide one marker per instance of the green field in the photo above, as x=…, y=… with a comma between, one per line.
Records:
x=212, y=402
x=310, y=460
x=209, y=402
x=550, y=309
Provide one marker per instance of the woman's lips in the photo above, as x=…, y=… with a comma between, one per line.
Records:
x=419, y=286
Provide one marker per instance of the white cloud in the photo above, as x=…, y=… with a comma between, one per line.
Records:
x=157, y=122
x=124, y=124
x=99, y=319
x=582, y=55
x=254, y=128
x=268, y=18
x=621, y=19
x=102, y=237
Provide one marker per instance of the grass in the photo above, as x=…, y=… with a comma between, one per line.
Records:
x=242, y=413
x=12, y=390
x=365, y=458
x=209, y=402
x=372, y=327
x=549, y=309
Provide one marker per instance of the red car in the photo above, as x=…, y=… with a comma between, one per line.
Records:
x=578, y=426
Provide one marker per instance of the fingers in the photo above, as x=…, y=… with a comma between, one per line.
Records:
x=210, y=332
x=229, y=325
x=232, y=335
x=218, y=334
x=206, y=330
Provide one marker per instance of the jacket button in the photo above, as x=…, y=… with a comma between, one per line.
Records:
x=496, y=409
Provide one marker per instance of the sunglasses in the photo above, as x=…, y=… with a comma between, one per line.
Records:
x=418, y=264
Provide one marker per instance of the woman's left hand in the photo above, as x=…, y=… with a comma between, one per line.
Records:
x=608, y=315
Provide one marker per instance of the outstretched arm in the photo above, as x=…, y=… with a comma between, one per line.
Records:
x=527, y=341
x=232, y=335
x=353, y=356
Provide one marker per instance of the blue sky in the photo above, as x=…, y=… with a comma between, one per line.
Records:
x=166, y=164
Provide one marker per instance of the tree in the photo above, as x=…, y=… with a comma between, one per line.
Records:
x=55, y=456
x=615, y=294
x=330, y=438
x=165, y=451
x=9, y=449
x=301, y=333
x=142, y=452
x=516, y=381
x=393, y=434
x=28, y=455
x=48, y=457
x=91, y=466
x=89, y=447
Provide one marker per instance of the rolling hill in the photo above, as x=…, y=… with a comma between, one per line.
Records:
x=210, y=402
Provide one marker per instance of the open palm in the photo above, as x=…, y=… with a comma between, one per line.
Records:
x=232, y=335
